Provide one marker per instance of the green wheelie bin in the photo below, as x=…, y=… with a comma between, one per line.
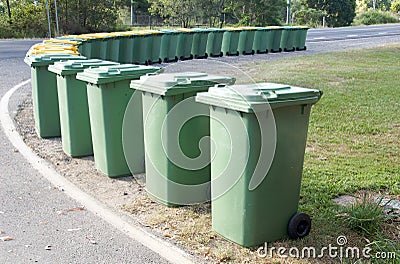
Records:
x=230, y=41
x=185, y=43
x=156, y=36
x=259, y=133
x=108, y=96
x=214, y=42
x=246, y=39
x=301, y=36
x=169, y=42
x=199, y=45
x=44, y=92
x=175, y=129
x=73, y=105
x=288, y=38
x=276, y=38
x=263, y=40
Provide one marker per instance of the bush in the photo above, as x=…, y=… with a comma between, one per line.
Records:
x=372, y=17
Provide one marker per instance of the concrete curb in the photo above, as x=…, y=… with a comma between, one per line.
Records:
x=166, y=250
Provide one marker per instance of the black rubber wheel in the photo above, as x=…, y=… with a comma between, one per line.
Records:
x=210, y=54
x=252, y=52
x=159, y=61
x=227, y=53
x=176, y=58
x=206, y=56
x=237, y=53
x=166, y=60
x=299, y=226
x=221, y=54
x=280, y=50
x=191, y=57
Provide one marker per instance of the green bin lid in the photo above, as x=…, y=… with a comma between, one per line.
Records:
x=254, y=97
x=178, y=83
x=108, y=74
x=46, y=59
x=73, y=67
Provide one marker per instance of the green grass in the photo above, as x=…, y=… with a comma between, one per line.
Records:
x=353, y=147
x=353, y=140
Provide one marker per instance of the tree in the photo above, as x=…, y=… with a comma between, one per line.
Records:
x=339, y=12
x=8, y=11
x=395, y=7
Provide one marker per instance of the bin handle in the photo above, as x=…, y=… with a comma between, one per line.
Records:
x=271, y=94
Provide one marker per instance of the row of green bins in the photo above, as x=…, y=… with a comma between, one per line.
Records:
x=108, y=97
x=230, y=41
x=263, y=39
x=275, y=44
x=199, y=45
x=246, y=39
x=73, y=105
x=185, y=43
x=44, y=91
x=214, y=42
x=169, y=42
x=301, y=36
x=177, y=158
x=241, y=196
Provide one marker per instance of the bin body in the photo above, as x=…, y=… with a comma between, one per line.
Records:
x=214, y=42
x=73, y=106
x=263, y=40
x=108, y=97
x=169, y=42
x=44, y=93
x=247, y=216
x=276, y=38
x=168, y=99
x=141, y=48
x=301, y=36
x=246, y=39
x=230, y=41
x=185, y=43
x=199, y=44
x=288, y=38
x=156, y=37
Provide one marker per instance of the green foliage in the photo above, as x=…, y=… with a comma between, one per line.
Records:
x=339, y=12
x=365, y=5
x=212, y=12
x=373, y=17
x=309, y=16
x=395, y=7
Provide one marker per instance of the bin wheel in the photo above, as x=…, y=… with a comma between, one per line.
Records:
x=211, y=54
x=191, y=57
x=176, y=58
x=227, y=53
x=159, y=60
x=252, y=52
x=166, y=60
x=299, y=226
x=205, y=55
x=280, y=49
x=221, y=54
x=237, y=53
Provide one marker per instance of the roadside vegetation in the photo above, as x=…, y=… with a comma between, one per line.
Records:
x=352, y=149
x=28, y=18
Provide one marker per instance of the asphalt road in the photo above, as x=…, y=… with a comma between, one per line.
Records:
x=29, y=205
x=329, y=34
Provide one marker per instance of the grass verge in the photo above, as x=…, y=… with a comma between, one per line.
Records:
x=353, y=148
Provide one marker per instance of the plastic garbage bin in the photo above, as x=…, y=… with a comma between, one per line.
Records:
x=276, y=39
x=214, y=42
x=114, y=44
x=169, y=42
x=251, y=211
x=108, y=96
x=301, y=36
x=44, y=92
x=174, y=123
x=288, y=37
x=156, y=36
x=263, y=40
x=230, y=41
x=184, y=45
x=73, y=106
x=199, y=44
x=246, y=38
